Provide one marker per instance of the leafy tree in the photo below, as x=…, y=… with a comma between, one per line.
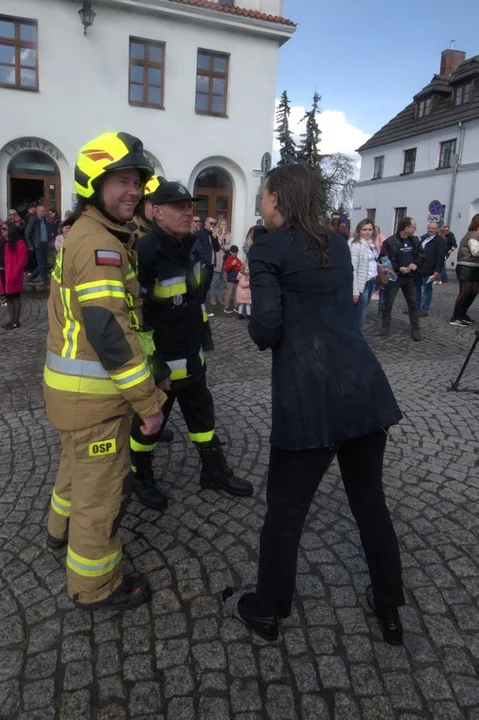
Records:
x=287, y=150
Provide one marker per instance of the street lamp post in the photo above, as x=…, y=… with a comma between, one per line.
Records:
x=87, y=15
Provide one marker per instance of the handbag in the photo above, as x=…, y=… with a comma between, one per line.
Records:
x=383, y=276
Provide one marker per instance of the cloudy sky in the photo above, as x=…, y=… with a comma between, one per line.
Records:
x=367, y=59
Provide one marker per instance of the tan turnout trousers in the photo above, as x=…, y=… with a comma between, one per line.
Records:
x=91, y=492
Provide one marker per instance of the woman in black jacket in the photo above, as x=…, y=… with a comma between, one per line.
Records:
x=330, y=398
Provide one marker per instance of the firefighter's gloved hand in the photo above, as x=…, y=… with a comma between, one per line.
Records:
x=147, y=344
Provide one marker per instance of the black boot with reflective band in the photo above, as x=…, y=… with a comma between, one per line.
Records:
x=134, y=590
x=388, y=617
x=144, y=482
x=216, y=475
x=240, y=604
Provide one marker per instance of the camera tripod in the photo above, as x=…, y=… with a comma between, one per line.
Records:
x=455, y=385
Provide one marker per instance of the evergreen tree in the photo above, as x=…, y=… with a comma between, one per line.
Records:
x=309, y=153
x=287, y=149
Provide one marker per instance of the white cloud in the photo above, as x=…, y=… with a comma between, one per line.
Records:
x=338, y=135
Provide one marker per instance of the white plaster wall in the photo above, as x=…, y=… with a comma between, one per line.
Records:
x=84, y=92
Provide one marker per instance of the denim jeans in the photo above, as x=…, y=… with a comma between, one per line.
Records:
x=423, y=292
x=361, y=306
x=218, y=283
x=41, y=254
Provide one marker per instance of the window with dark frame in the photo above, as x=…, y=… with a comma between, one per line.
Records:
x=211, y=83
x=399, y=214
x=18, y=53
x=463, y=94
x=371, y=214
x=378, y=167
x=409, y=161
x=448, y=149
x=424, y=107
x=146, y=73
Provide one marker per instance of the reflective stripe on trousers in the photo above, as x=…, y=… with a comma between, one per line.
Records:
x=60, y=506
x=202, y=437
x=92, y=568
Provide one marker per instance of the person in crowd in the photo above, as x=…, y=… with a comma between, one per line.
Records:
x=195, y=224
x=30, y=215
x=60, y=238
x=243, y=292
x=467, y=272
x=218, y=283
x=330, y=398
x=232, y=268
x=169, y=275
x=451, y=245
x=53, y=222
x=364, y=257
x=378, y=293
x=13, y=260
x=249, y=240
x=337, y=227
x=95, y=371
x=434, y=247
x=406, y=254
x=68, y=214
x=205, y=249
x=36, y=235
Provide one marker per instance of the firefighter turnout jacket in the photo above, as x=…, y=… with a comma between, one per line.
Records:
x=94, y=366
x=170, y=279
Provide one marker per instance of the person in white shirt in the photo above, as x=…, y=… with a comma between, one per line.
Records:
x=364, y=257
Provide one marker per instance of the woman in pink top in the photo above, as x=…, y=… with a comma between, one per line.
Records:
x=13, y=260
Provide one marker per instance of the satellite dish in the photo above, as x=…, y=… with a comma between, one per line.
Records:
x=266, y=163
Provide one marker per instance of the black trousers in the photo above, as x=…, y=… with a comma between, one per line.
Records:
x=407, y=284
x=196, y=405
x=293, y=479
x=206, y=279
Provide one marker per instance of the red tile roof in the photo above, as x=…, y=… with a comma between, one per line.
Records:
x=238, y=11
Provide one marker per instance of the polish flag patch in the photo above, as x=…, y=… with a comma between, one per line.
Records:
x=108, y=257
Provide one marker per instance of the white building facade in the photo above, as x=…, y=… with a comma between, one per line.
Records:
x=195, y=80
x=425, y=162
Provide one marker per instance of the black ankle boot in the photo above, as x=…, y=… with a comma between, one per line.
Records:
x=240, y=604
x=166, y=436
x=144, y=482
x=56, y=543
x=216, y=475
x=388, y=617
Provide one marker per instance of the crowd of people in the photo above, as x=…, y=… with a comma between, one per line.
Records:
x=413, y=265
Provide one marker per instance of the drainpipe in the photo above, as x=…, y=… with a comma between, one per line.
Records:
x=455, y=170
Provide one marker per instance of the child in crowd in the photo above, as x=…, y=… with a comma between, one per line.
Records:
x=243, y=292
x=232, y=268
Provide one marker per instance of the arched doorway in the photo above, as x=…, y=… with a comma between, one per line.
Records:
x=214, y=188
x=33, y=176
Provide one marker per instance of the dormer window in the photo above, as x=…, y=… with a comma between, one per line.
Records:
x=463, y=94
x=424, y=107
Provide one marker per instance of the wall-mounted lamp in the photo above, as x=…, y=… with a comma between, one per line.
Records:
x=87, y=15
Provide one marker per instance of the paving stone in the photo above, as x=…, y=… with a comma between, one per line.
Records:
x=280, y=702
x=38, y=694
x=10, y=697
x=466, y=689
x=241, y=661
x=76, y=705
x=378, y=708
x=178, y=681
x=245, y=696
x=171, y=652
x=314, y=708
x=433, y=684
x=345, y=707
x=10, y=664
x=78, y=675
x=110, y=688
x=181, y=709
x=332, y=672
x=402, y=691
x=42, y=665
x=304, y=675
x=212, y=708
x=209, y=656
x=365, y=680
x=138, y=667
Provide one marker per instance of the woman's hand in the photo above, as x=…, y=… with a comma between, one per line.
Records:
x=355, y=299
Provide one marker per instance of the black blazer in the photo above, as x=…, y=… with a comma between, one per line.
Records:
x=434, y=255
x=327, y=385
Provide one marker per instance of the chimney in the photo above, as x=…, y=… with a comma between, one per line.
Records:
x=450, y=59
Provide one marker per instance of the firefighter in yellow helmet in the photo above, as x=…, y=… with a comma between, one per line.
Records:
x=95, y=369
x=143, y=220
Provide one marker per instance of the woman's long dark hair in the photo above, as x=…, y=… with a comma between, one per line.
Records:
x=297, y=192
x=474, y=226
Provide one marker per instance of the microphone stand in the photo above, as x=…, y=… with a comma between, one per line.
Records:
x=455, y=385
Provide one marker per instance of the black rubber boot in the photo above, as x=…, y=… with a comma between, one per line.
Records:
x=216, y=475
x=144, y=482
x=133, y=591
x=56, y=543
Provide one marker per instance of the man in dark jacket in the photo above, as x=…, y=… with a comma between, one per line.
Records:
x=169, y=275
x=36, y=235
x=206, y=247
x=405, y=253
x=434, y=247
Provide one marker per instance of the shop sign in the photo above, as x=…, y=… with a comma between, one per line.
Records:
x=33, y=144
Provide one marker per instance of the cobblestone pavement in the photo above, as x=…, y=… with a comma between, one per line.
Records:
x=180, y=658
